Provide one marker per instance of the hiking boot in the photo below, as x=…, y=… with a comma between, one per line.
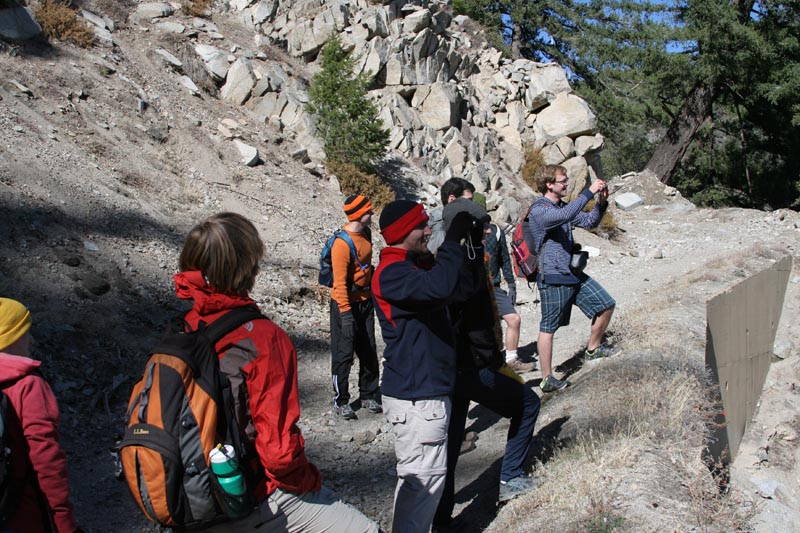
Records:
x=373, y=406
x=345, y=411
x=519, y=367
x=514, y=487
x=604, y=350
x=552, y=384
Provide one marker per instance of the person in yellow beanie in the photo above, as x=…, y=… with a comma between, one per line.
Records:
x=38, y=471
x=15, y=322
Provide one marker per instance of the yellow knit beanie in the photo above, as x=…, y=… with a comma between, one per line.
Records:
x=15, y=320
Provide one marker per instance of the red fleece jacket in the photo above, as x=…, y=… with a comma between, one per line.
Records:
x=35, y=440
x=271, y=380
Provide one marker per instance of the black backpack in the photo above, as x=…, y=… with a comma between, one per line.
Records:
x=177, y=413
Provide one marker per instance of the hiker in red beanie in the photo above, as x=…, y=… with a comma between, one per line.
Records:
x=39, y=487
x=411, y=294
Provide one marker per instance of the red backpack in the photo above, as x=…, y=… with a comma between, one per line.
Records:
x=526, y=261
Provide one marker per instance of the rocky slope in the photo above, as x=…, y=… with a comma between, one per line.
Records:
x=107, y=159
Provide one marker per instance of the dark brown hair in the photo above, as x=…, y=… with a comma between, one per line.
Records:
x=547, y=174
x=226, y=248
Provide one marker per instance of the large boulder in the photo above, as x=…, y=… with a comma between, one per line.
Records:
x=439, y=105
x=547, y=81
x=568, y=115
x=588, y=144
x=152, y=10
x=578, y=173
x=417, y=21
x=239, y=82
x=215, y=60
x=17, y=23
x=264, y=10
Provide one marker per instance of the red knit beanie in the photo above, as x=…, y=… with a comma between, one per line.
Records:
x=399, y=218
x=356, y=206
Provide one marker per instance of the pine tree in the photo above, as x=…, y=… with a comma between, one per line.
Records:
x=346, y=120
x=703, y=92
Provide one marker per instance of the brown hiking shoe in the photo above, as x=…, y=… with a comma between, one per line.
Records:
x=519, y=367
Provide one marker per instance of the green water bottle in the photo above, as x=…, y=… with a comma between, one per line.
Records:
x=226, y=469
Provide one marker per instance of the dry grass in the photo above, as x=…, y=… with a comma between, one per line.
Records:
x=631, y=455
x=196, y=8
x=354, y=181
x=59, y=20
x=533, y=162
x=608, y=226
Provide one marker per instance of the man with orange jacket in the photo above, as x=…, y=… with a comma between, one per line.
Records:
x=352, y=312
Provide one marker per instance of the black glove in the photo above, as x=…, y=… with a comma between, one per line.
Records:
x=348, y=324
x=512, y=294
x=460, y=227
x=478, y=231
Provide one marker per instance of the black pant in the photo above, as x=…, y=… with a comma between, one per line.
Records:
x=362, y=343
x=506, y=397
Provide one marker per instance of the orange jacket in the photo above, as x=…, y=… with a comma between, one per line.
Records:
x=347, y=276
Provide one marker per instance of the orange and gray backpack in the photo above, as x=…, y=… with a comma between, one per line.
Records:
x=178, y=412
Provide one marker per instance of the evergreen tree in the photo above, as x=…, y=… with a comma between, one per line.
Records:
x=702, y=92
x=346, y=120
x=746, y=146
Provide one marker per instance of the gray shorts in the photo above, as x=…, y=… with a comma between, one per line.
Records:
x=504, y=306
x=286, y=512
x=557, y=302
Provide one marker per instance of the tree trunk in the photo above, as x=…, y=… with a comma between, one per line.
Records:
x=694, y=111
x=516, y=41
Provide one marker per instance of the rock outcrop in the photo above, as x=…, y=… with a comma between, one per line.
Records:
x=450, y=102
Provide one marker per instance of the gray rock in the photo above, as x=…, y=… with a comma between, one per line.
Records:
x=364, y=437
x=187, y=82
x=249, y=153
x=90, y=246
x=783, y=348
x=18, y=88
x=587, y=144
x=169, y=26
x=578, y=172
x=766, y=486
x=628, y=201
x=103, y=35
x=240, y=5
x=265, y=10
x=567, y=114
x=214, y=59
x=239, y=82
x=266, y=107
x=547, y=81
x=301, y=154
x=440, y=107
x=18, y=23
x=152, y=10
x=97, y=20
x=204, y=25
x=417, y=21
x=169, y=58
